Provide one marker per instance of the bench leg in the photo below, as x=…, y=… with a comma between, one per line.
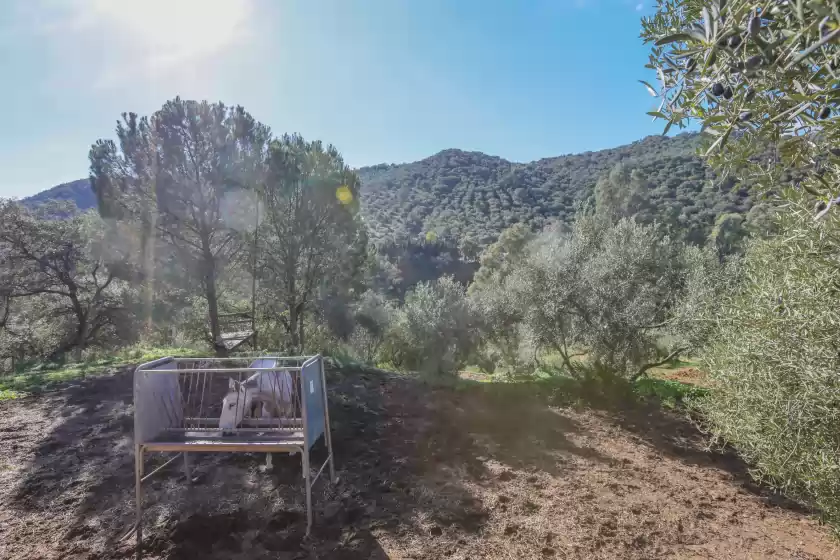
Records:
x=308, y=488
x=327, y=432
x=138, y=496
x=187, y=471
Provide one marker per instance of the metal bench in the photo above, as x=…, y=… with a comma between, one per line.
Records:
x=178, y=404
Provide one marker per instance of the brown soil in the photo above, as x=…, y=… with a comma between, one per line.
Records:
x=487, y=471
x=690, y=375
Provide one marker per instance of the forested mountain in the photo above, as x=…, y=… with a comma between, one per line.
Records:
x=455, y=195
x=78, y=192
x=458, y=194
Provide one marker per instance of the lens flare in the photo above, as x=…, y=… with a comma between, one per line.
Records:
x=344, y=195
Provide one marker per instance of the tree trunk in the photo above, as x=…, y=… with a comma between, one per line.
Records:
x=294, y=332
x=643, y=370
x=301, y=339
x=148, y=240
x=212, y=303
x=81, y=327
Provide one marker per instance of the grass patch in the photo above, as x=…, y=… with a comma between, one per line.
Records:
x=8, y=394
x=37, y=377
x=672, y=394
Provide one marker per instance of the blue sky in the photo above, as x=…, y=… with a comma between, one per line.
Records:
x=383, y=80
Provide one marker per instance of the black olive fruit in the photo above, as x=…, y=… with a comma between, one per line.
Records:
x=825, y=29
x=754, y=26
x=690, y=65
x=820, y=206
x=826, y=112
x=734, y=41
x=834, y=151
x=745, y=116
x=727, y=92
x=750, y=95
x=717, y=89
x=753, y=62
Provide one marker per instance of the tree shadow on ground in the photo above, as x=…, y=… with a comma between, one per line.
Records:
x=671, y=432
x=411, y=458
x=80, y=470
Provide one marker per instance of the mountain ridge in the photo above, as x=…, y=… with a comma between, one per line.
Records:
x=461, y=194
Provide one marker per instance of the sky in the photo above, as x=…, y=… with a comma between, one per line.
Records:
x=384, y=80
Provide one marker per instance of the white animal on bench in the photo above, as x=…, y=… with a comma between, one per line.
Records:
x=272, y=390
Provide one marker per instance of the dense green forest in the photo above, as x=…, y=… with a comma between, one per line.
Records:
x=469, y=195
x=434, y=217
x=466, y=199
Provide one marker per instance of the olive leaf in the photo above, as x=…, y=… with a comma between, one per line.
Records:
x=681, y=37
x=649, y=88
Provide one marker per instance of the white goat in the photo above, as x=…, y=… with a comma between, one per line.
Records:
x=272, y=390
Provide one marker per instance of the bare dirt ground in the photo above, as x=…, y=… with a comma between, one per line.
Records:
x=690, y=375
x=487, y=471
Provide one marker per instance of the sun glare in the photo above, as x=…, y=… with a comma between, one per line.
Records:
x=163, y=29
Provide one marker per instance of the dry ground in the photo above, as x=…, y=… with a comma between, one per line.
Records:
x=690, y=375
x=487, y=471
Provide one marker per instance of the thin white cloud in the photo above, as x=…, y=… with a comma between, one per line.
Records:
x=149, y=38
x=640, y=7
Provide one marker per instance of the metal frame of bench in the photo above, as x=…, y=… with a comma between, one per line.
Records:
x=174, y=413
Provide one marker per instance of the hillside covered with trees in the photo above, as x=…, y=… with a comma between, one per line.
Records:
x=459, y=195
x=466, y=199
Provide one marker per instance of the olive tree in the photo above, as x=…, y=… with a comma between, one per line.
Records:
x=59, y=275
x=494, y=306
x=602, y=290
x=373, y=315
x=434, y=331
x=774, y=358
x=761, y=79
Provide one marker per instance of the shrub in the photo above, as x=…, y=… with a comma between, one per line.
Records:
x=373, y=316
x=433, y=332
x=774, y=363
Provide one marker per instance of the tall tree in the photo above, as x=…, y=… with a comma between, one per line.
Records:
x=182, y=175
x=311, y=234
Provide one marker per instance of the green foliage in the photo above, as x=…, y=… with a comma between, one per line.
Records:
x=433, y=333
x=497, y=308
x=373, y=317
x=728, y=234
x=399, y=266
x=671, y=394
x=504, y=255
x=472, y=195
x=624, y=193
x=58, y=283
x=773, y=359
x=311, y=237
x=604, y=290
x=762, y=80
